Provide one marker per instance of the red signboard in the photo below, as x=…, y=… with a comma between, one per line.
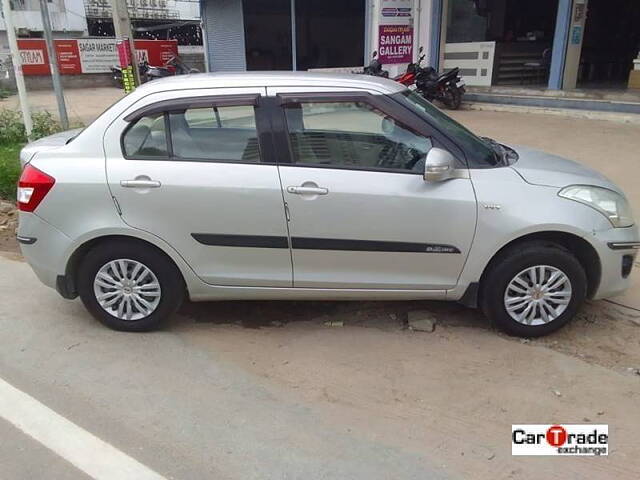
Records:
x=89, y=55
x=33, y=54
x=68, y=57
x=395, y=44
x=156, y=52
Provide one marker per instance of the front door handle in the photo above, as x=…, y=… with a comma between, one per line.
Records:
x=140, y=183
x=302, y=190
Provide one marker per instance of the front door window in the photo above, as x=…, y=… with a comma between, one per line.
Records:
x=353, y=135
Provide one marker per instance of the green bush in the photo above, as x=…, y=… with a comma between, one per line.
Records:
x=12, y=128
x=44, y=125
x=9, y=170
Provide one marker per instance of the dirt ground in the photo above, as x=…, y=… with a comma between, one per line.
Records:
x=457, y=390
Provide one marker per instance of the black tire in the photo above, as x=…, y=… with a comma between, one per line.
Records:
x=509, y=264
x=453, y=97
x=168, y=276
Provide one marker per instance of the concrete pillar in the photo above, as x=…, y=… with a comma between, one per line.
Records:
x=435, y=55
x=574, y=45
x=567, y=44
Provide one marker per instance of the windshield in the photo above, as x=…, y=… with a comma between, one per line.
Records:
x=477, y=150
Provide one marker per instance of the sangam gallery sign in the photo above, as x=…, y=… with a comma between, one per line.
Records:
x=395, y=32
x=89, y=55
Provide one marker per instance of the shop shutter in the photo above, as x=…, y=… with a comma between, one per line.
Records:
x=224, y=34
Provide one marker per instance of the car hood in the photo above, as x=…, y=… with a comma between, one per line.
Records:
x=46, y=143
x=540, y=168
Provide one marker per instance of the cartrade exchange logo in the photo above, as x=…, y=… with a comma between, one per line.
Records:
x=560, y=440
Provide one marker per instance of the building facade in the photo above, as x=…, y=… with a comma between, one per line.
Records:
x=67, y=20
x=556, y=44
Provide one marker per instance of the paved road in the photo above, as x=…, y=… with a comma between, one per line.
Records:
x=182, y=411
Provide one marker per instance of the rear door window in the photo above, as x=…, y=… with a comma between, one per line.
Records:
x=146, y=138
x=225, y=133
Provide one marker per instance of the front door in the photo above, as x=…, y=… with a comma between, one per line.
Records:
x=193, y=172
x=361, y=215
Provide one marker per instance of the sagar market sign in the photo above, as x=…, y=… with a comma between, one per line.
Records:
x=89, y=55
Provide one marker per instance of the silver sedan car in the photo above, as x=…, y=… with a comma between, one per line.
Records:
x=296, y=186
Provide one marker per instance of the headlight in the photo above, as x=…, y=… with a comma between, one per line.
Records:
x=609, y=203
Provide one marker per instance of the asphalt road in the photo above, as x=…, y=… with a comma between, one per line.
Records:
x=182, y=411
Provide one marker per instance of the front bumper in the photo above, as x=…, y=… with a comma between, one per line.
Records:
x=617, y=249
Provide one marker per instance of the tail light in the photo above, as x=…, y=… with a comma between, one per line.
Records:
x=33, y=185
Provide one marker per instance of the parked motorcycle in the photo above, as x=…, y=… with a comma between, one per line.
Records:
x=447, y=88
x=408, y=78
x=375, y=67
x=174, y=66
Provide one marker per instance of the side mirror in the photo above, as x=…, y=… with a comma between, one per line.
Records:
x=375, y=54
x=440, y=165
x=420, y=50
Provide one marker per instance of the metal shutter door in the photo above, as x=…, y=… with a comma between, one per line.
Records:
x=224, y=34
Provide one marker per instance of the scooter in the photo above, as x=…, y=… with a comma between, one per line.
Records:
x=375, y=67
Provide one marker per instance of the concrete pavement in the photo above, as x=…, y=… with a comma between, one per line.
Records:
x=184, y=412
x=204, y=399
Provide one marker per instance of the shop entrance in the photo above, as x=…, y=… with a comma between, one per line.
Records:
x=611, y=43
x=328, y=33
x=522, y=30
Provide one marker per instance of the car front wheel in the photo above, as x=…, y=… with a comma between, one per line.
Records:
x=533, y=289
x=129, y=286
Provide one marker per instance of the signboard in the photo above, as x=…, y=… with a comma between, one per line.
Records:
x=89, y=55
x=576, y=34
x=97, y=55
x=395, y=32
x=395, y=44
x=33, y=55
x=68, y=56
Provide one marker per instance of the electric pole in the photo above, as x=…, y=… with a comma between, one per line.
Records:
x=17, y=67
x=122, y=27
x=53, y=64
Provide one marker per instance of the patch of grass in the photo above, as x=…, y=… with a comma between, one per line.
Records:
x=9, y=169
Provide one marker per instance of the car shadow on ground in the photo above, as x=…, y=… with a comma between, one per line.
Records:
x=380, y=314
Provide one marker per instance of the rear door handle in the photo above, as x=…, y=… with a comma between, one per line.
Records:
x=308, y=190
x=139, y=183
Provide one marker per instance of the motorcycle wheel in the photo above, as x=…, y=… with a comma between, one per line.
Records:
x=453, y=97
x=116, y=81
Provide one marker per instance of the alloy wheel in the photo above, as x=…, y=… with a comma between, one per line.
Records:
x=538, y=295
x=127, y=289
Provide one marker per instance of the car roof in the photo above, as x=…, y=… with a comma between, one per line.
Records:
x=272, y=79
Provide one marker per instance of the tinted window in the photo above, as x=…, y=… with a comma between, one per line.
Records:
x=353, y=134
x=478, y=151
x=146, y=138
x=215, y=133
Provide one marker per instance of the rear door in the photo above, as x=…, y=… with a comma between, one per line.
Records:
x=197, y=171
x=361, y=214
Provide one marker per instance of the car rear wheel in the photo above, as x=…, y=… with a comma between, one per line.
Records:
x=128, y=286
x=533, y=289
